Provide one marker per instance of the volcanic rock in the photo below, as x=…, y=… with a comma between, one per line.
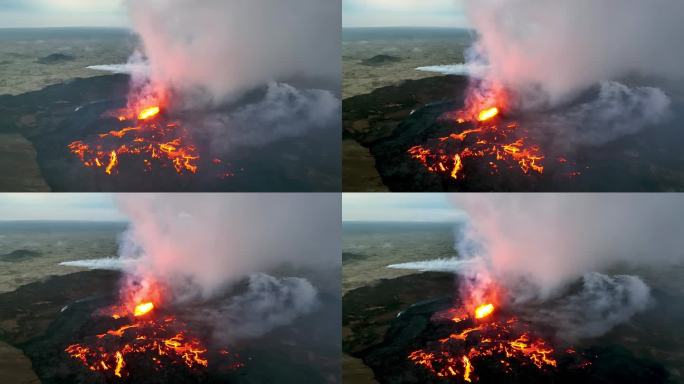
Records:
x=19, y=255
x=379, y=60
x=55, y=58
x=415, y=328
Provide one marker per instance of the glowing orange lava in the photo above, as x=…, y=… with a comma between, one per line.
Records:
x=480, y=337
x=156, y=340
x=152, y=141
x=484, y=310
x=148, y=113
x=497, y=144
x=485, y=142
x=143, y=308
x=487, y=114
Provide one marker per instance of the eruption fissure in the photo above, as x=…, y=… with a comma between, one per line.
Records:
x=501, y=144
x=141, y=335
x=481, y=337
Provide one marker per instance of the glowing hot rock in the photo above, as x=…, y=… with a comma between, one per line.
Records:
x=485, y=140
x=148, y=113
x=137, y=340
x=143, y=308
x=483, y=311
x=487, y=114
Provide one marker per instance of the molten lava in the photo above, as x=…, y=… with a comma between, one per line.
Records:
x=487, y=114
x=153, y=141
x=497, y=144
x=506, y=342
x=143, y=308
x=146, y=136
x=156, y=341
x=484, y=310
x=148, y=113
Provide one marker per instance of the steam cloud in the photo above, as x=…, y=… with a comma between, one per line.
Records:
x=537, y=245
x=201, y=246
x=284, y=112
x=211, y=55
x=565, y=47
x=268, y=303
x=550, y=53
x=602, y=303
x=228, y=47
x=551, y=249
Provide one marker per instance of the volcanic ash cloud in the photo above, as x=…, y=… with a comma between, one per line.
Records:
x=550, y=54
x=539, y=246
x=200, y=247
x=215, y=54
x=227, y=47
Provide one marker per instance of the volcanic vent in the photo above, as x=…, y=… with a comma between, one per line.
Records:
x=146, y=137
x=437, y=342
x=137, y=340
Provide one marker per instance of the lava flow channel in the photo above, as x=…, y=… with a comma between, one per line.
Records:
x=148, y=136
x=478, y=337
x=484, y=136
x=142, y=338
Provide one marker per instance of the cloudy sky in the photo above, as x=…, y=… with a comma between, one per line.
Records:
x=62, y=13
x=399, y=207
x=59, y=206
x=403, y=13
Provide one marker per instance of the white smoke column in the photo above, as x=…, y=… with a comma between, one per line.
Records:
x=200, y=244
x=555, y=49
x=227, y=47
x=536, y=245
x=553, y=239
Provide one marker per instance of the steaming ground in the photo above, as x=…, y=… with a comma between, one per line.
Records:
x=653, y=331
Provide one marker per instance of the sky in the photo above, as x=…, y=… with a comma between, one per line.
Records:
x=59, y=206
x=399, y=207
x=112, y=13
x=403, y=13
x=62, y=13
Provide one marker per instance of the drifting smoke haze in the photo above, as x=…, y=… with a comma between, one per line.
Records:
x=268, y=303
x=548, y=54
x=201, y=247
x=284, y=112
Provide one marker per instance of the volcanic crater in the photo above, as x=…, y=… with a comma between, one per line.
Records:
x=427, y=343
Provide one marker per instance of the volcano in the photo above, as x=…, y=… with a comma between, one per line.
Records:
x=89, y=137
x=421, y=142
x=424, y=346
x=66, y=330
x=409, y=335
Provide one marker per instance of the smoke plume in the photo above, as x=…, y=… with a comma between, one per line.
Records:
x=537, y=246
x=564, y=47
x=228, y=47
x=200, y=246
x=548, y=54
x=268, y=303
